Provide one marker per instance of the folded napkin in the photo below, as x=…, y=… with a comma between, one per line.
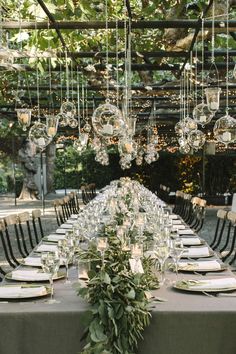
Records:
x=211, y=284
x=74, y=216
x=173, y=216
x=186, y=232
x=18, y=291
x=66, y=226
x=201, y=265
x=32, y=274
x=196, y=252
x=61, y=231
x=55, y=238
x=191, y=241
x=46, y=248
x=179, y=227
x=177, y=222
x=32, y=261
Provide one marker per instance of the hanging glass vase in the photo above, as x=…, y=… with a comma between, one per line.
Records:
x=68, y=109
x=24, y=117
x=52, y=124
x=196, y=139
x=189, y=124
x=80, y=144
x=213, y=98
x=225, y=129
x=38, y=135
x=128, y=146
x=179, y=128
x=87, y=127
x=107, y=120
x=202, y=114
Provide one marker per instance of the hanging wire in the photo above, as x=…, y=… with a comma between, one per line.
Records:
x=86, y=103
x=83, y=109
x=107, y=44
x=213, y=34
x=78, y=98
x=60, y=71
x=51, y=104
x=227, y=57
x=72, y=79
x=37, y=64
x=196, y=78
x=117, y=60
x=67, y=76
x=202, y=60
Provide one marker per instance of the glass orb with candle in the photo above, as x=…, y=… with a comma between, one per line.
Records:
x=202, y=114
x=225, y=129
x=107, y=120
x=39, y=136
x=196, y=139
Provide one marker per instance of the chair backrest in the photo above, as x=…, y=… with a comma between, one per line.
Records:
x=37, y=224
x=25, y=231
x=9, y=232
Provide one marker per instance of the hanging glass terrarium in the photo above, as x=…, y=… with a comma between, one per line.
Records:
x=38, y=135
x=68, y=109
x=73, y=123
x=62, y=120
x=80, y=144
x=225, y=129
x=185, y=149
x=52, y=124
x=24, y=117
x=196, y=139
x=107, y=120
x=128, y=146
x=213, y=98
x=202, y=114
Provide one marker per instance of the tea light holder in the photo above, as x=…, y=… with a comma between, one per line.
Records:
x=24, y=117
x=213, y=98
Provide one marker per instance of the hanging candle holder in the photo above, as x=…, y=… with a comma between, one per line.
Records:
x=213, y=98
x=87, y=128
x=196, y=139
x=80, y=144
x=128, y=146
x=62, y=120
x=68, y=109
x=73, y=123
x=225, y=129
x=185, y=149
x=24, y=117
x=202, y=114
x=107, y=120
x=38, y=135
x=52, y=124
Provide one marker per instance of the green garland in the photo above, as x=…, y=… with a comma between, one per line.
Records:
x=119, y=301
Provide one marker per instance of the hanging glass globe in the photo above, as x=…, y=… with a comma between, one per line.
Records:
x=225, y=129
x=196, y=139
x=182, y=141
x=189, y=124
x=73, y=123
x=38, y=135
x=107, y=120
x=179, y=128
x=202, y=114
x=62, y=120
x=184, y=149
x=87, y=127
x=213, y=98
x=68, y=109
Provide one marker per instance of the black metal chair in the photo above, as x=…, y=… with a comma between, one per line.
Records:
x=220, y=227
x=37, y=225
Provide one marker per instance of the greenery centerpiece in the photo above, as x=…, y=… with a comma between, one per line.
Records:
x=118, y=297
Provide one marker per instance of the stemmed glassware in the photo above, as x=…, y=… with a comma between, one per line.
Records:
x=176, y=251
x=136, y=253
x=66, y=249
x=162, y=253
x=50, y=264
x=102, y=244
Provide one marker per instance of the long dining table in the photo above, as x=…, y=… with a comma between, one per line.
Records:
x=182, y=322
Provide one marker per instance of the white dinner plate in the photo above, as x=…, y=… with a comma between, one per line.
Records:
x=23, y=291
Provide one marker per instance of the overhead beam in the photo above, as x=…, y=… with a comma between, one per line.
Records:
x=73, y=25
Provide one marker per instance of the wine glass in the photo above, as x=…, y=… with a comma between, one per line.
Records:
x=66, y=251
x=102, y=245
x=162, y=253
x=176, y=251
x=50, y=262
x=136, y=253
